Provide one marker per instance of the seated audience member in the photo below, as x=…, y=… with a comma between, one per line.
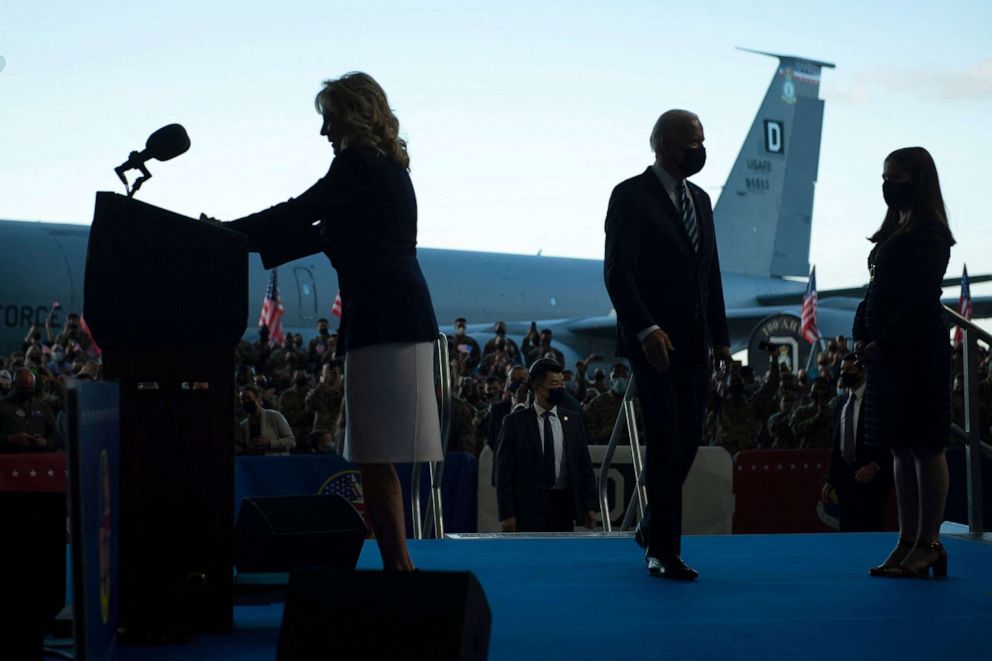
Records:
x=780, y=434
x=531, y=340
x=494, y=389
x=581, y=380
x=860, y=475
x=323, y=442
x=324, y=402
x=544, y=476
x=57, y=363
x=599, y=383
x=545, y=350
x=74, y=333
x=293, y=405
x=244, y=354
x=812, y=423
x=27, y=424
x=511, y=348
x=264, y=431
x=514, y=397
x=822, y=369
x=735, y=419
x=603, y=410
x=5, y=383
x=320, y=346
x=263, y=349
x=462, y=437
x=497, y=360
x=590, y=396
x=463, y=344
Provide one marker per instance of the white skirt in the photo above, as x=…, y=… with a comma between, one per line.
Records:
x=390, y=407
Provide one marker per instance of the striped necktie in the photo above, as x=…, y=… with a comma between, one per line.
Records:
x=688, y=216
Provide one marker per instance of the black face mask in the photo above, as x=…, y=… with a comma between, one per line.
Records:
x=849, y=380
x=556, y=396
x=898, y=194
x=23, y=396
x=515, y=385
x=324, y=331
x=301, y=382
x=693, y=160
x=250, y=407
x=737, y=389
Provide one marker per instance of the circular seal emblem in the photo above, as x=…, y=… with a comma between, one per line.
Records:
x=348, y=485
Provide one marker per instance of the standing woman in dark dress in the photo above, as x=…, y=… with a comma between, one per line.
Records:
x=363, y=216
x=905, y=347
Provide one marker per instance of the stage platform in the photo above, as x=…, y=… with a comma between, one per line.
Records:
x=758, y=597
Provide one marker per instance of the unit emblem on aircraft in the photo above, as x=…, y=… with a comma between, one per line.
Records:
x=788, y=87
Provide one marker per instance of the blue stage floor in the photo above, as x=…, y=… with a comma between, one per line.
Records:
x=758, y=597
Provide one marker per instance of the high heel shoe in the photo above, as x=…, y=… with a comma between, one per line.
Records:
x=937, y=561
x=880, y=570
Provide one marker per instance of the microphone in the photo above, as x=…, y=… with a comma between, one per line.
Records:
x=162, y=145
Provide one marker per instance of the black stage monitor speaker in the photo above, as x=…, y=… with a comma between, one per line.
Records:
x=337, y=614
x=282, y=533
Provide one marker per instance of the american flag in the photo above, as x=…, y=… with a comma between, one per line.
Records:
x=964, y=306
x=272, y=310
x=348, y=485
x=809, y=329
x=336, y=308
x=94, y=347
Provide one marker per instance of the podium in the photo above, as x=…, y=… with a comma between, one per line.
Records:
x=166, y=300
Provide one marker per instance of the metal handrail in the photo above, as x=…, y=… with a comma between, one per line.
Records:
x=435, y=524
x=435, y=508
x=972, y=419
x=967, y=325
x=625, y=418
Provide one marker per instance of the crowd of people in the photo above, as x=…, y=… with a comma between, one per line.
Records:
x=290, y=395
x=31, y=384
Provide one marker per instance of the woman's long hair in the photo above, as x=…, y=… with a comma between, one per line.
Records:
x=927, y=205
x=361, y=112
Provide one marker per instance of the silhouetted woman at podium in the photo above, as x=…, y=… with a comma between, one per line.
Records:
x=363, y=216
x=905, y=346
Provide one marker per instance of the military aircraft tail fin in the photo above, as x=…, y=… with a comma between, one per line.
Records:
x=764, y=213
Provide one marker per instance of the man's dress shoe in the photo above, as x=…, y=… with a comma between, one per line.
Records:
x=673, y=569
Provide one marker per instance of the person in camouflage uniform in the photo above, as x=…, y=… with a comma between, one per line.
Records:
x=779, y=428
x=602, y=412
x=292, y=404
x=735, y=417
x=324, y=402
x=812, y=424
x=463, y=433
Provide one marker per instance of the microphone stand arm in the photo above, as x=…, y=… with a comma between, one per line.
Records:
x=133, y=162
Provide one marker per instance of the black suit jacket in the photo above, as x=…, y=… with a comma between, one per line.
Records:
x=519, y=461
x=652, y=273
x=840, y=471
x=363, y=216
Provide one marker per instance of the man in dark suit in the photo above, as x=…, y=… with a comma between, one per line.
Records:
x=860, y=475
x=544, y=476
x=663, y=276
